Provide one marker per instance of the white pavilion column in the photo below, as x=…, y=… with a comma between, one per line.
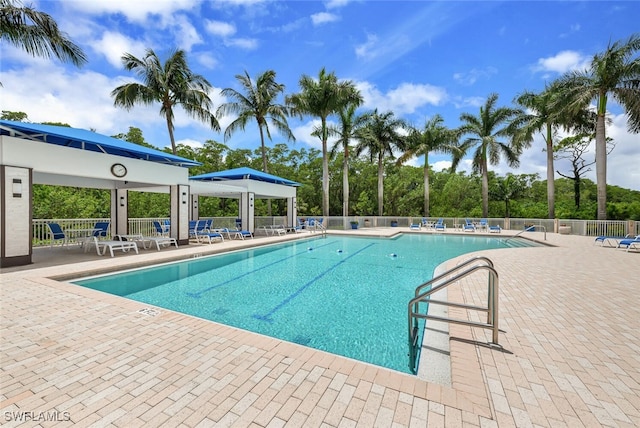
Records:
x=119, y=212
x=247, y=211
x=195, y=212
x=180, y=213
x=16, y=211
x=292, y=211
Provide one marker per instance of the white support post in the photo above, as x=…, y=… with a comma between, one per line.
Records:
x=16, y=212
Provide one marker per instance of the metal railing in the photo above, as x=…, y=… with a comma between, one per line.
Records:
x=577, y=227
x=444, y=280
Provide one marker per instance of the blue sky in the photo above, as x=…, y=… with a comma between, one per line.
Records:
x=416, y=58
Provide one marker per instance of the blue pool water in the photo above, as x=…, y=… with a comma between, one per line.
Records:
x=345, y=295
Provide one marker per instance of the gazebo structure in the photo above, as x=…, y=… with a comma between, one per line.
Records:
x=251, y=185
x=57, y=155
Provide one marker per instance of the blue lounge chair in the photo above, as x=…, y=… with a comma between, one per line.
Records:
x=468, y=226
x=630, y=243
x=160, y=229
x=101, y=229
x=56, y=234
x=609, y=241
x=241, y=234
x=439, y=225
x=484, y=224
x=210, y=236
x=495, y=229
x=415, y=226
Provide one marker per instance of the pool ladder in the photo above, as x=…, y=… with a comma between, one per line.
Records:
x=442, y=281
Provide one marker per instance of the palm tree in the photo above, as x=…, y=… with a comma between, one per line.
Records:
x=614, y=72
x=435, y=137
x=36, y=33
x=543, y=116
x=322, y=98
x=485, y=132
x=346, y=130
x=257, y=102
x=170, y=85
x=380, y=137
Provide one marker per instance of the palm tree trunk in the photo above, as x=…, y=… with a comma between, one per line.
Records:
x=325, y=170
x=380, y=184
x=264, y=165
x=345, y=183
x=601, y=164
x=551, y=192
x=426, y=185
x=170, y=127
x=485, y=189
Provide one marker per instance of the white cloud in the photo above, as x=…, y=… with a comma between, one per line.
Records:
x=472, y=76
x=225, y=31
x=186, y=33
x=113, y=45
x=190, y=143
x=243, y=43
x=405, y=98
x=219, y=28
x=367, y=49
x=334, y=4
x=323, y=18
x=134, y=11
x=562, y=62
x=303, y=134
x=207, y=60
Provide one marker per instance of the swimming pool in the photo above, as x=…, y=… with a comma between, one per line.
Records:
x=344, y=295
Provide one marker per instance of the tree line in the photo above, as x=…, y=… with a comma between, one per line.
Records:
x=452, y=194
x=493, y=134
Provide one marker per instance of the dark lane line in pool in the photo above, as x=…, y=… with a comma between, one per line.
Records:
x=268, y=318
x=198, y=294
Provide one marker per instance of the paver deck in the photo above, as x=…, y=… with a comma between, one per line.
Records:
x=569, y=315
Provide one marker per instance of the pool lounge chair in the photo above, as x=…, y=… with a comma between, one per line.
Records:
x=241, y=234
x=495, y=229
x=468, y=226
x=160, y=230
x=209, y=236
x=629, y=243
x=160, y=241
x=415, y=226
x=125, y=246
x=483, y=225
x=57, y=234
x=609, y=241
x=439, y=225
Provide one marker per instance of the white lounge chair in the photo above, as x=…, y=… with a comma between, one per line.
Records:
x=160, y=241
x=102, y=245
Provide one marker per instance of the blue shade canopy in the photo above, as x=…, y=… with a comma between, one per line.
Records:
x=242, y=174
x=86, y=140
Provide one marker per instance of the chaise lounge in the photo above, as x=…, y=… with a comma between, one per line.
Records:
x=125, y=246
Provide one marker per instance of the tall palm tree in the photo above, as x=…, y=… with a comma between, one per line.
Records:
x=322, y=98
x=486, y=130
x=380, y=137
x=346, y=130
x=36, y=33
x=257, y=101
x=614, y=72
x=434, y=137
x=544, y=116
x=170, y=85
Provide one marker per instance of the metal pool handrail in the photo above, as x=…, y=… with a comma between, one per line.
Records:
x=491, y=309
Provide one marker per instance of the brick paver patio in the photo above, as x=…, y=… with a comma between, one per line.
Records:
x=569, y=315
